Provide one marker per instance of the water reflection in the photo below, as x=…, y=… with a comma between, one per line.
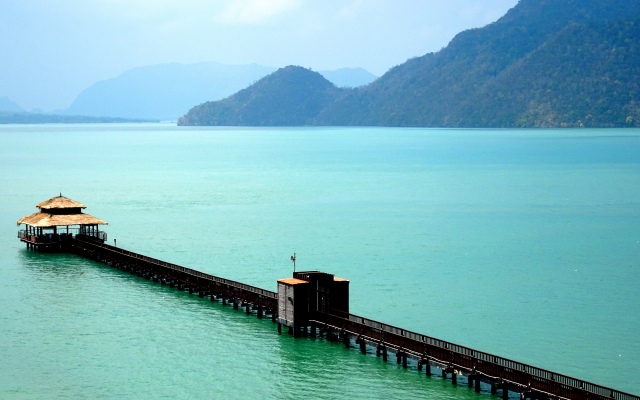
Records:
x=46, y=265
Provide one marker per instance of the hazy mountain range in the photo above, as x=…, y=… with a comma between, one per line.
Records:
x=546, y=63
x=9, y=106
x=167, y=91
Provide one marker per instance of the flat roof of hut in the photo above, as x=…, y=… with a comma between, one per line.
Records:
x=60, y=211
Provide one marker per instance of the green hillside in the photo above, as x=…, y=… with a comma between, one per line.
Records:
x=546, y=63
x=288, y=97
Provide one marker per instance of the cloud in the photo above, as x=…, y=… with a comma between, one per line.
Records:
x=136, y=9
x=249, y=12
x=350, y=11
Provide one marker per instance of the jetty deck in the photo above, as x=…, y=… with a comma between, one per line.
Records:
x=452, y=361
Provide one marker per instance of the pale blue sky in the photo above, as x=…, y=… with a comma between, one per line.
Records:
x=53, y=49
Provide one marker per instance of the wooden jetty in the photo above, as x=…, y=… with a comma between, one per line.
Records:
x=311, y=303
x=58, y=220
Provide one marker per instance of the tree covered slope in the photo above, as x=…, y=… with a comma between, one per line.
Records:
x=546, y=63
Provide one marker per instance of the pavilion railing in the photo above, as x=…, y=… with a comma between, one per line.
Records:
x=99, y=235
x=44, y=238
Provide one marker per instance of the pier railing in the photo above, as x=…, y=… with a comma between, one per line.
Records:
x=226, y=282
x=466, y=357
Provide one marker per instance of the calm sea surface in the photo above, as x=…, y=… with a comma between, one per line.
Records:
x=522, y=243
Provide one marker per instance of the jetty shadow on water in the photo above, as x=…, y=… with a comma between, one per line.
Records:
x=47, y=266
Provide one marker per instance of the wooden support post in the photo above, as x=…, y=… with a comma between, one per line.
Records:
x=384, y=353
x=477, y=387
x=279, y=327
x=363, y=346
x=260, y=311
x=248, y=308
x=404, y=359
x=346, y=340
x=454, y=377
x=235, y=304
x=427, y=367
x=312, y=330
x=398, y=356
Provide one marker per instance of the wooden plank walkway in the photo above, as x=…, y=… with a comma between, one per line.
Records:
x=452, y=359
x=236, y=293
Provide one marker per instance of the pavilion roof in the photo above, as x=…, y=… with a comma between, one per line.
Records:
x=46, y=220
x=59, y=202
x=60, y=211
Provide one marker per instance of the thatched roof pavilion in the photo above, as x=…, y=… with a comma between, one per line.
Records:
x=57, y=212
x=60, y=211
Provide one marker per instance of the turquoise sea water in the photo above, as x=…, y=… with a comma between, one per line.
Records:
x=522, y=243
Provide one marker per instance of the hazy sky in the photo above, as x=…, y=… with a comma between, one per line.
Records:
x=53, y=49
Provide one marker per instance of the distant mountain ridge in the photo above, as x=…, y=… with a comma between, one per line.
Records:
x=7, y=117
x=349, y=77
x=163, y=91
x=167, y=91
x=546, y=63
x=7, y=105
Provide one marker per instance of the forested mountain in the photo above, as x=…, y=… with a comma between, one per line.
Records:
x=289, y=96
x=546, y=63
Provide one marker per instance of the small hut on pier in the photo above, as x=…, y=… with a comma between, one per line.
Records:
x=56, y=223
